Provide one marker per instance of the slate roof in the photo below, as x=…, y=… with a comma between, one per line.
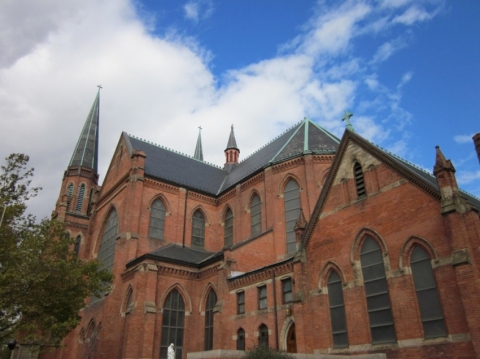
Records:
x=86, y=150
x=198, y=149
x=180, y=255
x=232, y=143
x=176, y=168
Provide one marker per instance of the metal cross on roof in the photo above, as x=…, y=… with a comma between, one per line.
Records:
x=346, y=118
x=99, y=87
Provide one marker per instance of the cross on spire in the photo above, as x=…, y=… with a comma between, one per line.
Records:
x=346, y=118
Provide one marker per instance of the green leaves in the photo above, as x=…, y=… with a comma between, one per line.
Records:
x=43, y=285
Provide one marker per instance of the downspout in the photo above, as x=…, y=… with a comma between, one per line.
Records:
x=184, y=217
x=275, y=315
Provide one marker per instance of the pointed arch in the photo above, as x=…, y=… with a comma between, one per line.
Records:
x=210, y=286
x=81, y=336
x=183, y=292
x=255, y=213
x=228, y=227
x=285, y=180
x=360, y=238
x=263, y=334
x=158, y=212
x=80, y=197
x=209, y=320
x=106, y=250
x=292, y=208
x=240, y=339
x=173, y=324
x=409, y=245
x=288, y=322
x=359, y=180
x=325, y=272
x=323, y=177
x=336, y=305
x=198, y=228
x=70, y=188
x=90, y=328
x=127, y=305
x=76, y=245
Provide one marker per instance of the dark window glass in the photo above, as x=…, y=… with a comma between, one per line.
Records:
x=263, y=335
x=106, y=251
x=90, y=202
x=241, y=339
x=211, y=301
x=228, y=232
x=129, y=300
x=76, y=246
x=81, y=194
x=291, y=197
x=241, y=303
x=287, y=290
x=173, y=325
x=376, y=289
x=359, y=180
x=198, y=229
x=69, y=195
x=157, y=220
x=262, y=297
x=256, y=216
x=427, y=294
x=337, y=311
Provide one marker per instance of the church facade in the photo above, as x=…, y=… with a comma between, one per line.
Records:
x=312, y=244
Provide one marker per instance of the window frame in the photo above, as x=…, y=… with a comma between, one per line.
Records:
x=241, y=302
x=287, y=292
x=292, y=206
x=255, y=215
x=336, y=306
x=228, y=228
x=198, y=229
x=161, y=218
x=262, y=297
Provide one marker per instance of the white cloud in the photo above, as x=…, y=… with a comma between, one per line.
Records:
x=465, y=177
x=412, y=15
x=161, y=89
x=388, y=49
x=463, y=139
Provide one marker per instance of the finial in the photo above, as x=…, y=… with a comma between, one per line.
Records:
x=99, y=87
x=346, y=118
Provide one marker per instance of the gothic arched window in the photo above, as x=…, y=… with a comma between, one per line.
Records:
x=263, y=335
x=240, y=339
x=228, y=229
x=157, y=220
x=198, y=229
x=69, y=195
x=173, y=325
x=379, y=309
x=337, y=310
x=81, y=194
x=427, y=294
x=255, y=216
x=359, y=180
x=76, y=245
x=209, y=305
x=291, y=197
x=106, y=252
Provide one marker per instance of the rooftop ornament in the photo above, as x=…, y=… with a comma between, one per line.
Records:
x=346, y=118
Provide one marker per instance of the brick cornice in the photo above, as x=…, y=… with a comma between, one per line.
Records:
x=288, y=164
x=260, y=275
x=162, y=186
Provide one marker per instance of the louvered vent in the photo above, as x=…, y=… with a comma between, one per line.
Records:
x=359, y=180
x=81, y=194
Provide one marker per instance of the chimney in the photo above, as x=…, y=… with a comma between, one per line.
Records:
x=476, y=141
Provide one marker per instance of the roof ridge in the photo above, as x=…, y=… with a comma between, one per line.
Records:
x=269, y=142
x=174, y=151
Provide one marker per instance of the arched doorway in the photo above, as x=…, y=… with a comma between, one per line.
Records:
x=291, y=340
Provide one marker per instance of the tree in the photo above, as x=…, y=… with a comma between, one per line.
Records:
x=43, y=285
x=263, y=351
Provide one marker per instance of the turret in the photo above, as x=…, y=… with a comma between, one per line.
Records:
x=198, y=149
x=231, y=152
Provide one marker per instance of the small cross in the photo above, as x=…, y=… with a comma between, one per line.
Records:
x=200, y=128
x=346, y=118
x=99, y=87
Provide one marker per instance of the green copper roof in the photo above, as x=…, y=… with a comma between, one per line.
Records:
x=86, y=151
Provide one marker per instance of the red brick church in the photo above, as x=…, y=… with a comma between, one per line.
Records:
x=313, y=244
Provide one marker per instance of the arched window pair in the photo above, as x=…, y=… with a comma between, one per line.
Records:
x=255, y=221
x=81, y=195
x=173, y=323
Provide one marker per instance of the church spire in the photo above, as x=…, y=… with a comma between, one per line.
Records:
x=86, y=151
x=198, y=149
x=231, y=152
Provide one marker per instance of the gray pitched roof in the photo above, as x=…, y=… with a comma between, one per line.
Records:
x=86, y=150
x=176, y=168
x=172, y=253
x=232, y=143
x=198, y=149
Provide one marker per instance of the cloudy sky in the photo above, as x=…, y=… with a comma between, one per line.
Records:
x=407, y=69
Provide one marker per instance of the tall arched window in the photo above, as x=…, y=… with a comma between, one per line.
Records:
x=291, y=197
x=376, y=289
x=157, y=220
x=427, y=294
x=228, y=229
x=209, y=305
x=76, y=245
x=256, y=216
x=173, y=325
x=81, y=194
x=128, y=301
x=263, y=335
x=90, y=202
x=359, y=180
x=240, y=339
x=69, y=195
x=198, y=229
x=106, y=252
x=337, y=311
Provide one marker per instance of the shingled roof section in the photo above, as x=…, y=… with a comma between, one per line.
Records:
x=176, y=168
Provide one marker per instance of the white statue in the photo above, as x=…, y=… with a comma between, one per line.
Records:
x=171, y=352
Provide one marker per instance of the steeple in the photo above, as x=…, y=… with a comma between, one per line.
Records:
x=198, y=149
x=86, y=151
x=231, y=152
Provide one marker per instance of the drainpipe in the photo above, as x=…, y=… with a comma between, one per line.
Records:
x=275, y=314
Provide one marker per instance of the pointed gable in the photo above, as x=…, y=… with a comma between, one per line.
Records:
x=86, y=150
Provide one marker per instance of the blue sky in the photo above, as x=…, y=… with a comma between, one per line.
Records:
x=407, y=69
